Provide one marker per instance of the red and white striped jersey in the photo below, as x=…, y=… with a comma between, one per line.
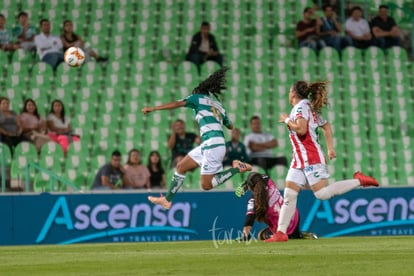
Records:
x=306, y=149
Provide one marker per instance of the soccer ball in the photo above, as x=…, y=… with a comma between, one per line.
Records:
x=74, y=56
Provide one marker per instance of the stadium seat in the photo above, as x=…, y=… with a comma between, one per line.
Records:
x=104, y=99
x=52, y=149
x=18, y=169
x=5, y=150
x=25, y=149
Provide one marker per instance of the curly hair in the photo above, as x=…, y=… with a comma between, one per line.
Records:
x=213, y=84
x=316, y=92
x=257, y=183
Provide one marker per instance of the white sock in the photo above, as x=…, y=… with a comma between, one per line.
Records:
x=337, y=188
x=288, y=209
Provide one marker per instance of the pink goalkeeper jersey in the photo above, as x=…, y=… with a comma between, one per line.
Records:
x=306, y=149
x=275, y=203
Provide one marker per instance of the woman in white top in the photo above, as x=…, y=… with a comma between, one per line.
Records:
x=59, y=129
x=33, y=124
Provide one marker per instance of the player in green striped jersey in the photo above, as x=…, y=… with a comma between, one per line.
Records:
x=210, y=116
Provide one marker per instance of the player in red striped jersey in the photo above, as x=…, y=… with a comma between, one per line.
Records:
x=308, y=166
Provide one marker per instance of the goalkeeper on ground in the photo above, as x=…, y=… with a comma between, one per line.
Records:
x=264, y=206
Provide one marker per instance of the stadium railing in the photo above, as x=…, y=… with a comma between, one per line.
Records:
x=53, y=178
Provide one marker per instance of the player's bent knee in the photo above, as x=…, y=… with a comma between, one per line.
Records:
x=206, y=186
x=323, y=194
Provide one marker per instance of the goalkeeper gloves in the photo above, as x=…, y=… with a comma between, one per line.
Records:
x=241, y=190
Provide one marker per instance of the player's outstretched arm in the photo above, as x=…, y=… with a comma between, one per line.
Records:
x=167, y=106
x=327, y=132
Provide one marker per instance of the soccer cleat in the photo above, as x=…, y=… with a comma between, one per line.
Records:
x=264, y=234
x=243, y=167
x=365, y=181
x=279, y=236
x=162, y=201
x=309, y=236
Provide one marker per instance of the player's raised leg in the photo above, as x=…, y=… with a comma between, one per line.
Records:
x=210, y=181
x=185, y=165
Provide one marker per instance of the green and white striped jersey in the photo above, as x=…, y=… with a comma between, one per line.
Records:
x=210, y=116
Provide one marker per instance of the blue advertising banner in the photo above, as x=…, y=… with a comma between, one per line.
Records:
x=129, y=217
x=374, y=211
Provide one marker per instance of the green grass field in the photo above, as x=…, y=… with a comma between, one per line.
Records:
x=334, y=256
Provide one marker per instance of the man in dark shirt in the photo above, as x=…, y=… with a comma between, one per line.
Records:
x=385, y=29
x=235, y=150
x=180, y=141
x=330, y=30
x=204, y=47
x=306, y=31
x=109, y=174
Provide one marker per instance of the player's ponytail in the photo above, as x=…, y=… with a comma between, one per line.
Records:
x=258, y=185
x=213, y=84
x=316, y=92
x=318, y=95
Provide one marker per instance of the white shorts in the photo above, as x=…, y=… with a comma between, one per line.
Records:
x=309, y=175
x=210, y=160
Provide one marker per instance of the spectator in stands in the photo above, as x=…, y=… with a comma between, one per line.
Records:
x=306, y=31
x=180, y=141
x=157, y=173
x=136, y=175
x=235, y=150
x=6, y=37
x=259, y=147
x=385, y=30
x=48, y=46
x=109, y=175
x=204, y=47
x=330, y=30
x=69, y=39
x=58, y=124
x=33, y=124
x=10, y=128
x=358, y=29
x=24, y=32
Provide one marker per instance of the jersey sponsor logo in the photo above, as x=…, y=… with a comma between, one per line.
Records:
x=309, y=169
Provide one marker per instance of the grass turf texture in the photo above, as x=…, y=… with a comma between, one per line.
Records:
x=335, y=256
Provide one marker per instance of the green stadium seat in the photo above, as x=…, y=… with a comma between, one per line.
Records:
x=76, y=169
x=16, y=81
x=187, y=74
x=164, y=74
x=329, y=54
x=18, y=169
x=26, y=149
x=24, y=57
x=351, y=53
x=51, y=149
x=306, y=54
x=397, y=53
x=374, y=53
x=85, y=107
x=4, y=149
